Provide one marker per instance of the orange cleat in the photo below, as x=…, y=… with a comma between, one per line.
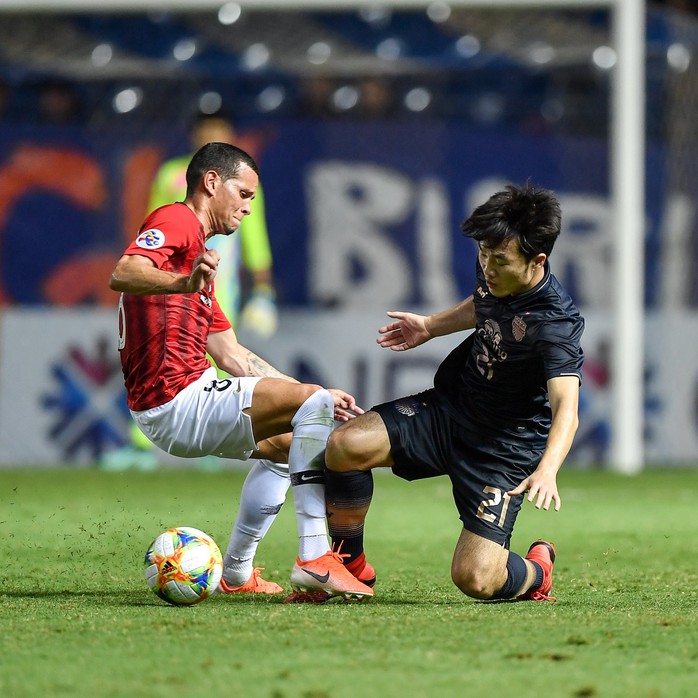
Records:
x=254, y=585
x=543, y=553
x=328, y=574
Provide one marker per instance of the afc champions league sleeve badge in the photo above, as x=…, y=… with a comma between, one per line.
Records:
x=151, y=239
x=407, y=406
x=518, y=328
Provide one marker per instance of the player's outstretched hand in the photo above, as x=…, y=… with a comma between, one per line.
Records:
x=345, y=407
x=542, y=487
x=408, y=331
x=204, y=270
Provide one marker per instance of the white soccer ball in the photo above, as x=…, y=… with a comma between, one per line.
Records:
x=183, y=566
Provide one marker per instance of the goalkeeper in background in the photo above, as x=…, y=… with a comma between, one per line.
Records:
x=245, y=256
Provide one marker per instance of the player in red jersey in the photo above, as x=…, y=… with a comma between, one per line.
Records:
x=169, y=320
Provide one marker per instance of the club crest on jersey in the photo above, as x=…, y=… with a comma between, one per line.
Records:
x=151, y=239
x=518, y=328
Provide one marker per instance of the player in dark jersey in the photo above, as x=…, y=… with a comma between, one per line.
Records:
x=169, y=320
x=501, y=416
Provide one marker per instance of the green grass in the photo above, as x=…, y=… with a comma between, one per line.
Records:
x=77, y=619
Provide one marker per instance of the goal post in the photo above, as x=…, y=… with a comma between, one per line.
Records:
x=628, y=195
x=626, y=177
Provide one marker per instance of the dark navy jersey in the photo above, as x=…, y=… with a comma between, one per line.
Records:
x=495, y=381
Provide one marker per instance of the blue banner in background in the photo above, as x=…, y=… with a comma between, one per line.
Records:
x=404, y=185
x=363, y=218
x=357, y=212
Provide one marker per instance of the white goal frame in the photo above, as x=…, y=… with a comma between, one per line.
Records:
x=627, y=176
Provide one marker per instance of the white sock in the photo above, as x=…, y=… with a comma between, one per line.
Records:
x=261, y=498
x=312, y=425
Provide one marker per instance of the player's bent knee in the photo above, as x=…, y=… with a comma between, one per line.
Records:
x=344, y=450
x=474, y=584
x=317, y=408
x=306, y=391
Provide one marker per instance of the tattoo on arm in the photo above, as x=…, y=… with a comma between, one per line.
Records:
x=259, y=367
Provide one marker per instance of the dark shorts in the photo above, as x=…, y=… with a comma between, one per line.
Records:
x=426, y=441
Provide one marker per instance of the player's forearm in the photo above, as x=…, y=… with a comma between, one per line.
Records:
x=563, y=393
x=149, y=282
x=246, y=363
x=137, y=275
x=456, y=319
x=560, y=438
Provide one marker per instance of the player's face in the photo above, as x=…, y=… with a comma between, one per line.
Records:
x=507, y=271
x=232, y=200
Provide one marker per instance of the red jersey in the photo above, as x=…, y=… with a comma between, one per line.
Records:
x=162, y=338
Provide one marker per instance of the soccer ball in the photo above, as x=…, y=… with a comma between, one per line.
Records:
x=183, y=566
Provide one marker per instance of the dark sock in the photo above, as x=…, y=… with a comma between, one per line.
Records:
x=516, y=576
x=357, y=565
x=348, y=497
x=539, y=576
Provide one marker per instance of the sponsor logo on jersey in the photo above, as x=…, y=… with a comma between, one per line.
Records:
x=151, y=239
x=518, y=328
x=491, y=335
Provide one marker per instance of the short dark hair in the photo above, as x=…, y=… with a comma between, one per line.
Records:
x=529, y=214
x=225, y=159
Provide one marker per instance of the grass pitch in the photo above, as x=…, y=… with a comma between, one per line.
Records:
x=77, y=619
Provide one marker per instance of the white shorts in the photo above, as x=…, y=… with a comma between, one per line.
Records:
x=204, y=419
